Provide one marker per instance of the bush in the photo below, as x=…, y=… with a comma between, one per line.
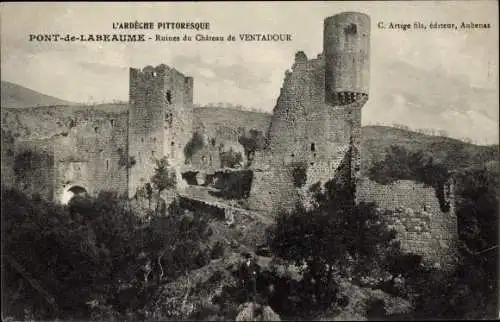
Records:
x=85, y=257
x=218, y=250
x=337, y=238
x=193, y=146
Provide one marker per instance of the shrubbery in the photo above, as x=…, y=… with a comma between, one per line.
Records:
x=338, y=238
x=94, y=256
x=194, y=145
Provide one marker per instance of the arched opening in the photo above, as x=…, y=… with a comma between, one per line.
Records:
x=72, y=192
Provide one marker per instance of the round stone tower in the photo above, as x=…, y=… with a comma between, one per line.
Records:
x=346, y=46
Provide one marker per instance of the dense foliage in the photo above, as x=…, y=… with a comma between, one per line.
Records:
x=194, y=145
x=337, y=238
x=230, y=159
x=92, y=259
x=252, y=142
x=471, y=290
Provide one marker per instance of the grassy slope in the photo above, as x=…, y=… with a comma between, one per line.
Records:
x=454, y=153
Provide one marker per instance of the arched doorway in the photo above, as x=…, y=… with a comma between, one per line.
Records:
x=72, y=192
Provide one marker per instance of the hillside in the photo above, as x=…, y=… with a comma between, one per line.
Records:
x=16, y=96
x=454, y=153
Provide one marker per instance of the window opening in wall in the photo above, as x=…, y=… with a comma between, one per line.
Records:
x=313, y=147
x=142, y=140
x=169, y=97
x=107, y=164
x=112, y=122
x=293, y=155
x=154, y=140
x=95, y=129
x=172, y=143
x=152, y=153
x=213, y=142
x=314, y=155
x=351, y=29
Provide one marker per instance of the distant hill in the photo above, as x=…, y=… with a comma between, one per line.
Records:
x=455, y=154
x=17, y=96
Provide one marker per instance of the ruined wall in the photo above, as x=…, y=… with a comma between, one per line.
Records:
x=33, y=167
x=93, y=155
x=160, y=120
x=421, y=224
x=306, y=130
x=206, y=159
x=273, y=186
x=93, y=135
x=317, y=118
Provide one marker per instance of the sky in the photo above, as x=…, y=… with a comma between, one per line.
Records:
x=438, y=79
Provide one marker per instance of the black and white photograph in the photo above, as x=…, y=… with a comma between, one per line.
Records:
x=250, y=161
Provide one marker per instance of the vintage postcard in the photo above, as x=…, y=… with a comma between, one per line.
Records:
x=250, y=160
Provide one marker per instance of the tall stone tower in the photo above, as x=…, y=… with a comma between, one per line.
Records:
x=160, y=121
x=316, y=123
x=346, y=46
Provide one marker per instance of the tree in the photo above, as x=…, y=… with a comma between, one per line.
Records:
x=90, y=251
x=163, y=178
x=254, y=142
x=335, y=237
x=230, y=158
x=149, y=193
x=194, y=145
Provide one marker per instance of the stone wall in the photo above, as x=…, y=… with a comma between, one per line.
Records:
x=273, y=190
x=206, y=159
x=34, y=160
x=421, y=225
x=92, y=138
x=93, y=155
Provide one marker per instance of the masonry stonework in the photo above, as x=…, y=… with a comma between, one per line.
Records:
x=315, y=131
x=160, y=120
x=422, y=224
x=317, y=118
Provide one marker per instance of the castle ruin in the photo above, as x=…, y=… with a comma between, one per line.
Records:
x=315, y=131
x=316, y=124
